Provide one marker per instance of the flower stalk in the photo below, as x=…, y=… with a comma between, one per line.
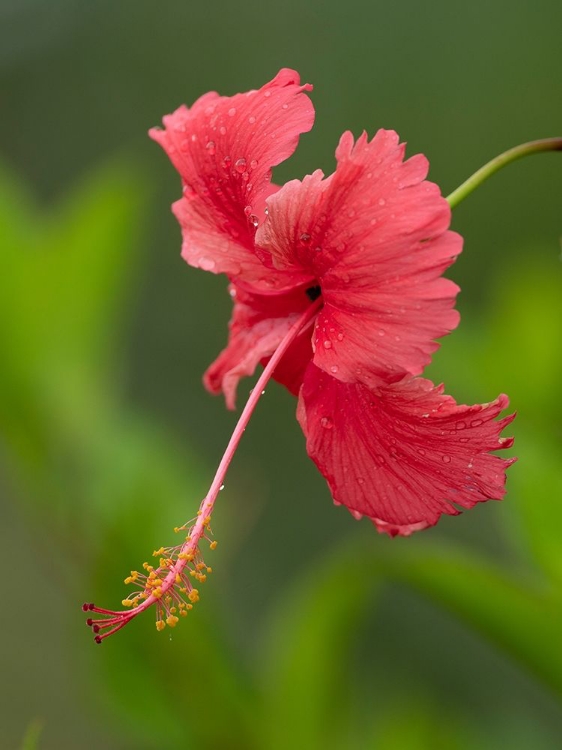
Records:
x=498, y=162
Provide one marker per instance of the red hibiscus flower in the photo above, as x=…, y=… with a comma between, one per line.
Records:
x=338, y=291
x=371, y=243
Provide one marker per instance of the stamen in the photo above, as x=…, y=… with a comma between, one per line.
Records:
x=168, y=585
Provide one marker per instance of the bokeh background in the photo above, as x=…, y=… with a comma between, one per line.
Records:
x=314, y=631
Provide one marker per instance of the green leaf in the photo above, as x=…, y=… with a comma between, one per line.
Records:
x=306, y=657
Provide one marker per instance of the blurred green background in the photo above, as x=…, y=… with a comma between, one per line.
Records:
x=314, y=631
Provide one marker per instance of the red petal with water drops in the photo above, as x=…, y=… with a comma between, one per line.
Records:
x=258, y=324
x=224, y=149
x=404, y=454
x=375, y=236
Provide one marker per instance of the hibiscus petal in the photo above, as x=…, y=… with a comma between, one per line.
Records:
x=375, y=236
x=258, y=324
x=402, y=455
x=224, y=149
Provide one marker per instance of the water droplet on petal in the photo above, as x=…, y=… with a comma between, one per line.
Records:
x=446, y=459
x=251, y=120
x=334, y=368
x=285, y=106
x=461, y=425
x=267, y=94
x=226, y=162
x=240, y=165
x=340, y=336
x=232, y=111
x=360, y=480
x=327, y=423
x=381, y=332
x=476, y=422
x=247, y=210
x=221, y=488
x=222, y=130
x=253, y=219
x=210, y=147
x=305, y=238
x=327, y=344
x=421, y=451
x=207, y=264
x=382, y=202
x=253, y=163
x=373, y=222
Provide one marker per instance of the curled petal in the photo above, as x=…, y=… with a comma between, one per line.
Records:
x=224, y=149
x=404, y=454
x=258, y=324
x=375, y=236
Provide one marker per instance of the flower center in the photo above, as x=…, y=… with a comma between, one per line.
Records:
x=313, y=292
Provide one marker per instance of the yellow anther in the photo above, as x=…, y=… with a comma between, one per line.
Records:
x=193, y=595
x=172, y=621
x=158, y=552
x=173, y=610
x=178, y=578
x=146, y=566
x=209, y=570
x=183, y=590
x=192, y=573
x=207, y=521
x=127, y=603
x=128, y=579
x=183, y=613
x=213, y=545
x=189, y=556
x=189, y=606
x=157, y=593
x=200, y=566
x=201, y=577
x=160, y=625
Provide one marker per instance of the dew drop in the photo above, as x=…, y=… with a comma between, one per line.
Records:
x=251, y=120
x=253, y=219
x=340, y=336
x=249, y=186
x=327, y=423
x=240, y=165
x=381, y=332
x=221, y=488
x=226, y=162
x=446, y=459
x=210, y=147
x=421, y=451
x=232, y=111
x=327, y=344
x=461, y=425
x=305, y=238
x=247, y=210
x=207, y=264
x=222, y=130
x=285, y=106
x=382, y=202
x=334, y=368
x=360, y=480
x=245, y=176
x=373, y=222
x=253, y=163
x=476, y=422
x=267, y=94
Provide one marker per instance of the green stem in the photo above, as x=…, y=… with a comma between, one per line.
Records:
x=533, y=147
